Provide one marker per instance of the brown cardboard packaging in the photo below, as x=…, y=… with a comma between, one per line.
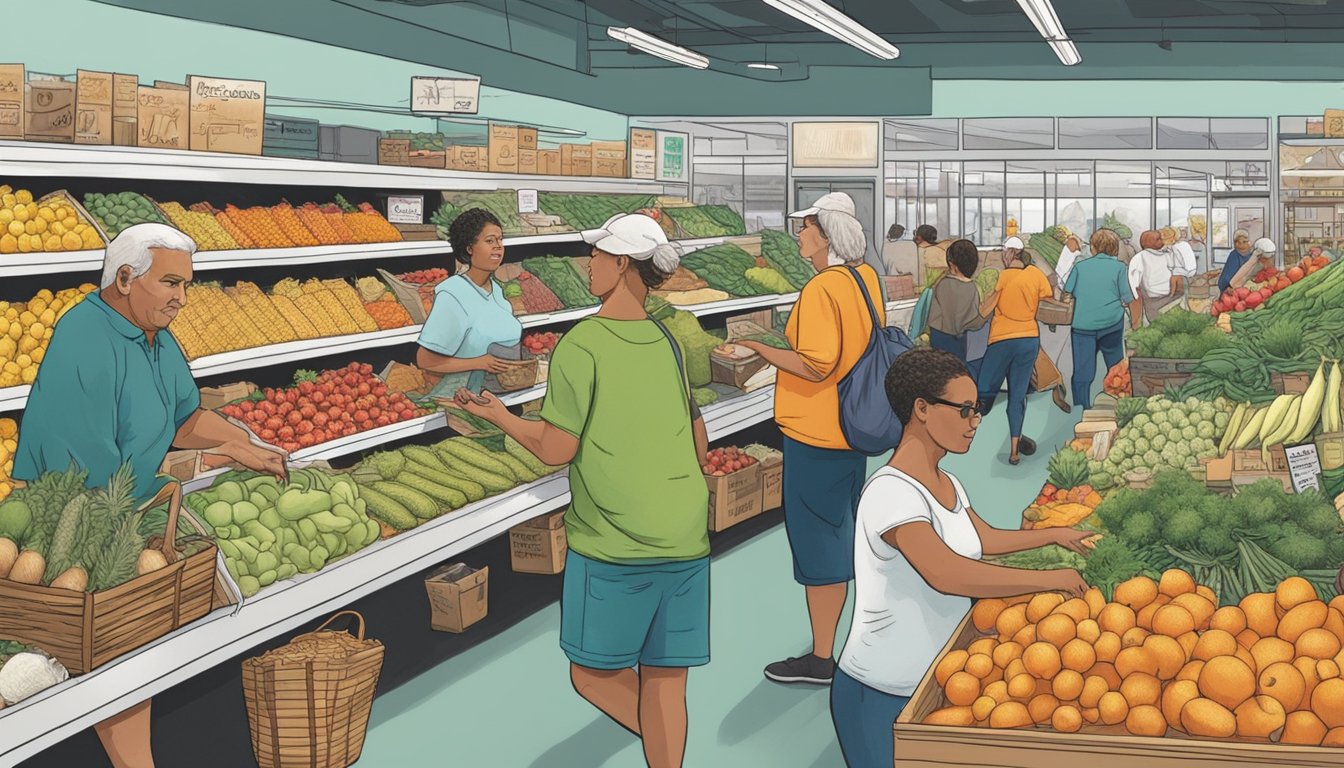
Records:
x=428, y=159
x=609, y=159
x=125, y=105
x=1330, y=450
x=576, y=160
x=183, y=465
x=1248, y=466
x=227, y=115
x=51, y=111
x=503, y=148
x=13, y=119
x=734, y=498
x=527, y=138
x=539, y=545
x=458, y=597
x=213, y=398
x=464, y=158
x=394, y=151
x=93, y=107
x=548, y=162
x=162, y=118
x=772, y=483
x=527, y=161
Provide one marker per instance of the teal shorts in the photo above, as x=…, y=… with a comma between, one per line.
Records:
x=615, y=616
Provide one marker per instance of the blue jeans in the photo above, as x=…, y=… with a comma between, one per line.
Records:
x=948, y=343
x=1086, y=344
x=864, y=718
x=1013, y=359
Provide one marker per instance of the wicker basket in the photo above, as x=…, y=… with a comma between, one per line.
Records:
x=519, y=375
x=308, y=702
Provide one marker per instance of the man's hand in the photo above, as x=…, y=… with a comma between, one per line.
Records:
x=268, y=460
x=484, y=405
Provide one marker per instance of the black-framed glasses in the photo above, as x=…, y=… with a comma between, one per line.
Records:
x=968, y=412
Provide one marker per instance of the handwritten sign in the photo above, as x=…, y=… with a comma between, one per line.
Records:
x=1304, y=465
x=527, y=201
x=1334, y=123
x=11, y=101
x=227, y=115
x=672, y=156
x=161, y=120
x=409, y=209
x=643, y=154
x=836, y=145
x=51, y=111
x=446, y=95
x=93, y=107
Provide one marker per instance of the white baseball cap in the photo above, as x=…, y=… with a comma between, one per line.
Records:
x=627, y=234
x=1266, y=246
x=833, y=201
x=1014, y=242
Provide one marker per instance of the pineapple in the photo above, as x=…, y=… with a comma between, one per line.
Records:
x=63, y=541
x=1068, y=469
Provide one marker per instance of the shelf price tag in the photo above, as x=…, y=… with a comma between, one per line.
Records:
x=1304, y=465
x=408, y=209
x=527, y=201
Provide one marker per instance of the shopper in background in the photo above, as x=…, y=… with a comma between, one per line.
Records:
x=828, y=331
x=1236, y=259
x=1101, y=292
x=932, y=258
x=470, y=312
x=1241, y=255
x=956, y=306
x=1152, y=279
x=1014, y=341
x=115, y=389
x=917, y=557
x=1068, y=257
x=635, y=607
x=900, y=256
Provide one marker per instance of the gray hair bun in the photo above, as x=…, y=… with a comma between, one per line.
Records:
x=667, y=257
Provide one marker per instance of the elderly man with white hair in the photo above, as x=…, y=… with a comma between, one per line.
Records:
x=114, y=389
x=828, y=331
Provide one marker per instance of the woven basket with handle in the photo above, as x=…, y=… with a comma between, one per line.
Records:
x=308, y=702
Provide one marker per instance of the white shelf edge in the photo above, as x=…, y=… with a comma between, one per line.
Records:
x=14, y=398
x=46, y=719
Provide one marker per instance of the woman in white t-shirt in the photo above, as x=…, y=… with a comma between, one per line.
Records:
x=917, y=556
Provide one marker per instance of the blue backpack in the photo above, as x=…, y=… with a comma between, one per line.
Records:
x=867, y=421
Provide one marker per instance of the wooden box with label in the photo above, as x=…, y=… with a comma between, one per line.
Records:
x=527, y=161
x=125, y=109
x=548, y=162
x=459, y=596
x=576, y=160
x=13, y=84
x=227, y=115
x=51, y=111
x=527, y=138
x=93, y=107
x=162, y=117
x=503, y=148
x=609, y=159
x=734, y=498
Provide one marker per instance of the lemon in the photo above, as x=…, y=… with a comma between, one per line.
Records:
x=71, y=242
x=80, y=228
x=6, y=216
x=8, y=244
x=39, y=225
x=16, y=228
x=29, y=375
x=8, y=349
x=24, y=361
x=38, y=354
x=23, y=196
x=13, y=368
x=45, y=296
x=36, y=330
x=58, y=229
x=9, y=200
x=46, y=335
x=28, y=343
x=24, y=245
x=32, y=210
x=48, y=317
x=70, y=222
x=53, y=243
x=87, y=288
x=15, y=332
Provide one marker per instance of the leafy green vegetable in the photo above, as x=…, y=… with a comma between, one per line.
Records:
x=781, y=252
x=724, y=267
x=1045, y=558
x=768, y=280
x=695, y=346
x=1113, y=562
x=707, y=221
x=560, y=275
x=591, y=211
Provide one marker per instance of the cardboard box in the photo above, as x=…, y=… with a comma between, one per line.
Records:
x=459, y=596
x=1290, y=383
x=527, y=161
x=227, y=115
x=609, y=159
x=51, y=111
x=394, y=151
x=734, y=498
x=539, y=545
x=527, y=138
x=1330, y=449
x=428, y=159
x=213, y=398
x=170, y=86
x=1218, y=471
x=548, y=162
x=1248, y=466
x=93, y=107
x=125, y=107
x=347, y=144
x=772, y=483
x=183, y=465
x=464, y=158
x=576, y=160
x=13, y=88
x=290, y=137
x=503, y=148
x=162, y=118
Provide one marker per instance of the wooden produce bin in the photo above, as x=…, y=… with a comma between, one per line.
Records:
x=734, y=371
x=539, y=545
x=1290, y=383
x=459, y=596
x=940, y=746
x=1151, y=375
x=734, y=497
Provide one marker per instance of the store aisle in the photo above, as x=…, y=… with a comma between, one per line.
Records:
x=509, y=703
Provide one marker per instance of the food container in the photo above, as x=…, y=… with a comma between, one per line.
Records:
x=458, y=597
x=1055, y=313
x=1290, y=383
x=734, y=497
x=539, y=545
x=733, y=364
x=1152, y=375
x=519, y=375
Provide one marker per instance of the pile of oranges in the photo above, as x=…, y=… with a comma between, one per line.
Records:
x=1160, y=657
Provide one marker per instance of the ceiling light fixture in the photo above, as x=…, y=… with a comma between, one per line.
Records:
x=1043, y=17
x=655, y=46
x=823, y=16
x=763, y=66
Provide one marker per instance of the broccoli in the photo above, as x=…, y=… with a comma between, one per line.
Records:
x=1140, y=528
x=1221, y=420
x=1335, y=551
x=1215, y=540
x=1152, y=431
x=1189, y=433
x=1297, y=549
x=1152, y=459
x=1206, y=430
x=1184, y=526
x=1142, y=420
x=1320, y=520
x=1141, y=445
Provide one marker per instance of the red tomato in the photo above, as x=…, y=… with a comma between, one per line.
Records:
x=284, y=408
x=407, y=414
x=363, y=388
x=366, y=369
x=334, y=414
x=306, y=387
x=375, y=412
x=293, y=418
x=303, y=428
x=319, y=436
x=308, y=411
x=285, y=433
x=383, y=420
x=361, y=415
x=1240, y=307
x=268, y=435
x=306, y=440
x=274, y=422
x=365, y=426
x=379, y=389
x=319, y=419
x=317, y=396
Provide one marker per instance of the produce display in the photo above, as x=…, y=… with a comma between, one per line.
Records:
x=322, y=407
x=534, y=297
x=1178, y=335
x=780, y=252
x=1165, y=434
x=1067, y=499
x=270, y=531
x=696, y=345
x=725, y=461
x=768, y=281
x=425, y=276
x=120, y=210
x=201, y=226
x=1117, y=382
x=49, y=225
x=707, y=221
x=1158, y=659
x=1289, y=419
x=724, y=267
x=1049, y=244
x=540, y=344
x=692, y=298
x=25, y=331
x=502, y=203
x=9, y=445
x=1265, y=284
x=563, y=278
x=388, y=313
x=591, y=211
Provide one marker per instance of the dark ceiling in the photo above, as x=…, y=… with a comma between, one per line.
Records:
x=560, y=47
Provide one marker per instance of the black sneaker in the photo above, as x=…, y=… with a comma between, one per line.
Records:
x=1026, y=446
x=802, y=669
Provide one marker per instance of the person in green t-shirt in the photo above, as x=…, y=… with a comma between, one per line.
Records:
x=635, y=608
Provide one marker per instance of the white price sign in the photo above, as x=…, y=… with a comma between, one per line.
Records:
x=446, y=95
x=527, y=201
x=1304, y=465
x=406, y=210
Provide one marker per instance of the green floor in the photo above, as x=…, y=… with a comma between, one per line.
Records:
x=508, y=702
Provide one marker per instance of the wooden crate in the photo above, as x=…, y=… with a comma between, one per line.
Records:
x=1151, y=375
x=938, y=746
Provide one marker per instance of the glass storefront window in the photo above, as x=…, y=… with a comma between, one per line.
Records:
x=719, y=183
x=1135, y=213
x=1008, y=133
x=766, y=195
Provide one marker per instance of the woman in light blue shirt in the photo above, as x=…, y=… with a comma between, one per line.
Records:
x=470, y=312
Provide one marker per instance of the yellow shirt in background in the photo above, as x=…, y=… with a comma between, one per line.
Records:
x=830, y=329
x=1020, y=294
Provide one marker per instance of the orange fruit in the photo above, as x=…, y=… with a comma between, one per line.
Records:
x=1259, y=716
x=1116, y=618
x=1093, y=689
x=982, y=707
x=994, y=676
x=1067, y=685
x=1078, y=655
x=1229, y=619
x=1042, y=708
x=1042, y=660
x=1025, y=636
x=1041, y=605
x=1200, y=609
x=1067, y=719
x=1327, y=701
x=1335, y=623
x=1327, y=669
x=1014, y=669
x=1190, y=671
x=951, y=716
x=1144, y=618
x=1207, y=594
x=1292, y=592
x=1005, y=653
x=1261, y=615
x=1188, y=641
x=1334, y=738
x=954, y=661
x=1302, y=617
x=1272, y=650
x=985, y=645
x=1227, y=680
x=986, y=613
x=1136, y=593
x=998, y=691
x=1169, y=654
x=1091, y=716
x=1318, y=644
x=1247, y=659
x=1108, y=673
x=1284, y=683
x=1146, y=720
x=1010, y=715
x=962, y=689
x=1096, y=601
x=1075, y=608
x=1338, y=603
x=1010, y=621
x=1310, y=679
x=1213, y=644
x=1114, y=709
x=980, y=666
x=1089, y=630
x=1303, y=728
x=1173, y=621
x=1057, y=629
x=1175, y=582
x=1134, y=637
x=1247, y=638
x=1022, y=687
x=1139, y=689
x=1136, y=659
x=1107, y=646
x=1202, y=717
x=1174, y=699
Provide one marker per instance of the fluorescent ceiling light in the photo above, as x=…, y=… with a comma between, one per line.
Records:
x=1066, y=51
x=823, y=16
x=1046, y=21
x=762, y=66
x=655, y=46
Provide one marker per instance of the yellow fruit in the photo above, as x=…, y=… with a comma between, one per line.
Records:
x=28, y=376
x=1094, y=686
x=52, y=243
x=8, y=243
x=984, y=645
x=1089, y=631
x=39, y=226
x=1025, y=636
x=1041, y=605
x=6, y=216
x=997, y=691
x=20, y=215
x=8, y=200
x=1285, y=683
x=1022, y=687
x=1302, y=617
x=1014, y=669
x=954, y=661
x=1146, y=720
x=1114, y=709
x=1227, y=680
x=1134, y=637
x=1260, y=716
x=1076, y=609
x=1005, y=653
x=1107, y=646
x=1067, y=719
x=1106, y=672
x=1056, y=629
x=1067, y=685
x=23, y=361
x=1116, y=618
x=1169, y=654
x=1136, y=659
x=1292, y=592
x=1261, y=616
x=962, y=689
x=1229, y=619
x=1203, y=717
x=1174, y=699
x=1200, y=609
x=951, y=716
x=982, y=707
x=71, y=242
x=1136, y=593
x=46, y=214
x=1190, y=671
x=1188, y=641
x=16, y=228
x=1318, y=644
x=1010, y=621
x=1010, y=715
x=1247, y=638
x=1271, y=650
x=979, y=666
x=23, y=197
x=1214, y=643
x=1303, y=729
x=1042, y=660
x=1139, y=689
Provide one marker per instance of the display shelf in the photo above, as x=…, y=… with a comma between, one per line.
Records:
x=14, y=398
x=62, y=711
x=292, y=351
x=23, y=159
x=736, y=305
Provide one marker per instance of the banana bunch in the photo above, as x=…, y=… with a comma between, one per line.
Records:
x=1290, y=419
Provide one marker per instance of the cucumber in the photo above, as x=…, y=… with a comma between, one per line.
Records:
x=518, y=468
x=387, y=509
x=422, y=455
x=473, y=491
x=416, y=502
x=538, y=467
x=462, y=450
x=446, y=496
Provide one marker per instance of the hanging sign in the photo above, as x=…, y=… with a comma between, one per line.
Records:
x=643, y=154
x=446, y=95
x=1304, y=465
x=672, y=149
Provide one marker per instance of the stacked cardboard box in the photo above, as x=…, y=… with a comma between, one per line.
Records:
x=609, y=159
